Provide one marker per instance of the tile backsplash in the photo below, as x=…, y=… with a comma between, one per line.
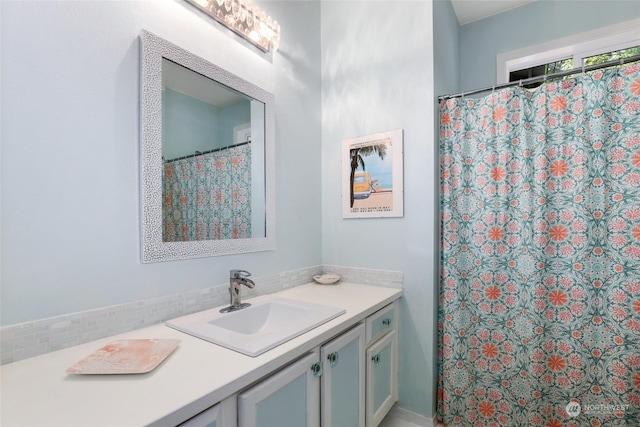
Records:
x=385, y=278
x=37, y=337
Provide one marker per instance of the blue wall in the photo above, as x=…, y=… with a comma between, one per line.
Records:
x=231, y=116
x=532, y=24
x=70, y=141
x=190, y=125
x=377, y=75
x=446, y=48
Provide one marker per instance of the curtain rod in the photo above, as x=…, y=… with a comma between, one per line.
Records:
x=200, y=153
x=537, y=79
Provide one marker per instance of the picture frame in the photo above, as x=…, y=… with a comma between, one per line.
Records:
x=372, y=175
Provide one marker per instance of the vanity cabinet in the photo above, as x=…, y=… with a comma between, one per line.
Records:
x=290, y=397
x=223, y=414
x=382, y=387
x=343, y=380
x=324, y=388
x=382, y=363
x=351, y=380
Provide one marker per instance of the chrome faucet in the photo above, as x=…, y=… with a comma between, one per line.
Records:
x=237, y=278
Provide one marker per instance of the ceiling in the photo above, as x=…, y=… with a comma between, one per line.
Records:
x=473, y=10
x=188, y=82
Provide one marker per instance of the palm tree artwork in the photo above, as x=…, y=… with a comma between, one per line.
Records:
x=357, y=156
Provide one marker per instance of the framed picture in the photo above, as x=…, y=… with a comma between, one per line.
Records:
x=372, y=176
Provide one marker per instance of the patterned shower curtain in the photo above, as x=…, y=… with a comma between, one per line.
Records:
x=208, y=197
x=539, y=317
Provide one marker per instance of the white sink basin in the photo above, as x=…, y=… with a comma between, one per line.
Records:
x=258, y=328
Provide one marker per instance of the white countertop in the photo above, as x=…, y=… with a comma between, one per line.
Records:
x=197, y=375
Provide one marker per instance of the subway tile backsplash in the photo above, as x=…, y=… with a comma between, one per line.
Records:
x=385, y=278
x=30, y=339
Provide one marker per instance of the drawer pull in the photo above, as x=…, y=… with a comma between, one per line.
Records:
x=386, y=322
x=316, y=368
x=333, y=359
x=376, y=359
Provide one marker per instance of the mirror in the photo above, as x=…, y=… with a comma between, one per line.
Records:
x=213, y=170
x=207, y=157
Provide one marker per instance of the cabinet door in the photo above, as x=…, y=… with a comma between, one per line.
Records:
x=382, y=378
x=342, y=382
x=206, y=418
x=290, y=397
x=224, y=414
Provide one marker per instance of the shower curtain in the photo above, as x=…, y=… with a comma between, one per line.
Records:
x=208, y=197
x=539, y=315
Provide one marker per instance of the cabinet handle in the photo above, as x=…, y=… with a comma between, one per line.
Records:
x=386, y=322
x=376, y=359
x=316, y=368
x=333, y=358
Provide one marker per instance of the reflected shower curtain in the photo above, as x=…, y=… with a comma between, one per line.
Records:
x=208, y=197
x=539, y=317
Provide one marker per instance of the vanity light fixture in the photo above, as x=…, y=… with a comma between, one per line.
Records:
x=244, y=18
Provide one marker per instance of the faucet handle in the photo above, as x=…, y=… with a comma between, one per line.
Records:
x=237, y=274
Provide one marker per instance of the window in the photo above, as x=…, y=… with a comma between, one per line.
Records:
x=540, y=70
x=594, y=47
x=611, y=56
x=568, y=64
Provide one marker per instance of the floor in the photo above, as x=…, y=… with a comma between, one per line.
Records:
x=391, y=421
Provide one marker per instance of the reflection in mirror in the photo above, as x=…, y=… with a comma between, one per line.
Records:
x=207, y=158
x=211, y=164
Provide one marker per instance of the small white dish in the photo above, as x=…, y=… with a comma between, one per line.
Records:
x=327, y=279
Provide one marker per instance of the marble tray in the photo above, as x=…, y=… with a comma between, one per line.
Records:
x=126, y=357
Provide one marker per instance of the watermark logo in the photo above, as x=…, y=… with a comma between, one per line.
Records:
x=573, y=409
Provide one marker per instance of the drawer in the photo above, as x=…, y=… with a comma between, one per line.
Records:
x=381, y=322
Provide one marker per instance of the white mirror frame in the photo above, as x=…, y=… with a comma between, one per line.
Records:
x=154, y=249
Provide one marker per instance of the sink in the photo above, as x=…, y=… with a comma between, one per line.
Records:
x=258, y=328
